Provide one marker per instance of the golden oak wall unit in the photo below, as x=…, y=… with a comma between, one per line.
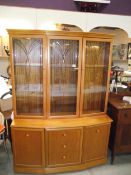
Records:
x=60, y=92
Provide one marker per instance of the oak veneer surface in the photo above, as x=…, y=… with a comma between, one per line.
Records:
x=27, y=147
x=64, y=146
x=19, y=169
x=56, y=123
x=95, y=141
x=60, y=33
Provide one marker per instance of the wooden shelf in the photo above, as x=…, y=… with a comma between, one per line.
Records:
x=95, y=66
x=120, y=60
x=27, y=64
x=95, y=1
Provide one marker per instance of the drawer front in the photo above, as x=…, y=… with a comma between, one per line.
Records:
x=63, y=146
x=125, y=116
x=28, y=147
x=95, y=142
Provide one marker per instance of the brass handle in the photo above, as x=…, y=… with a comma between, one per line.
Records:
x=64, y=146
x=97, y=130
x=64, y=157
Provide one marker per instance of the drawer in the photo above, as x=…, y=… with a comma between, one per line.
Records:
x=125, y=116
x=63, y=146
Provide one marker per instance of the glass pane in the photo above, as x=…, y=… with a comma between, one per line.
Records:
x=28, y=68
x=63, y=76
x=95, y=80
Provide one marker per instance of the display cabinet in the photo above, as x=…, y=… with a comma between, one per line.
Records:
x=60, y=91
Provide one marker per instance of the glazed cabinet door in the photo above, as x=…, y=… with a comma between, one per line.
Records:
x=64, y=76
x=95, y=70
x=28, y=65
x=28, y=147
x=63, y=146
x=95, y=142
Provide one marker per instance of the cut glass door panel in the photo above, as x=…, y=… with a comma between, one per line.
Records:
x=28, y=70
x=64, y=56
x=95, y=76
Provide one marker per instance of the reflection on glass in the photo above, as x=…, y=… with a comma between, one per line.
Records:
x=95, y=79
x=63, y=76
x=27, y=54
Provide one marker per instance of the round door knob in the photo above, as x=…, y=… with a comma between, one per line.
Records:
x=64, y=157
x=27, y=135
x=64, y=146
x=97, y=130
x=64, y=134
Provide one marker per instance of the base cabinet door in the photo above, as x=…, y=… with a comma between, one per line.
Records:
x=63, y=147
x=123, y=140
x=95, y=142
x=28, y=147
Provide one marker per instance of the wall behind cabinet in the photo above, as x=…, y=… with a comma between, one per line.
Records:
x=31, y=18
x=4, y=63
x=115, y=7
